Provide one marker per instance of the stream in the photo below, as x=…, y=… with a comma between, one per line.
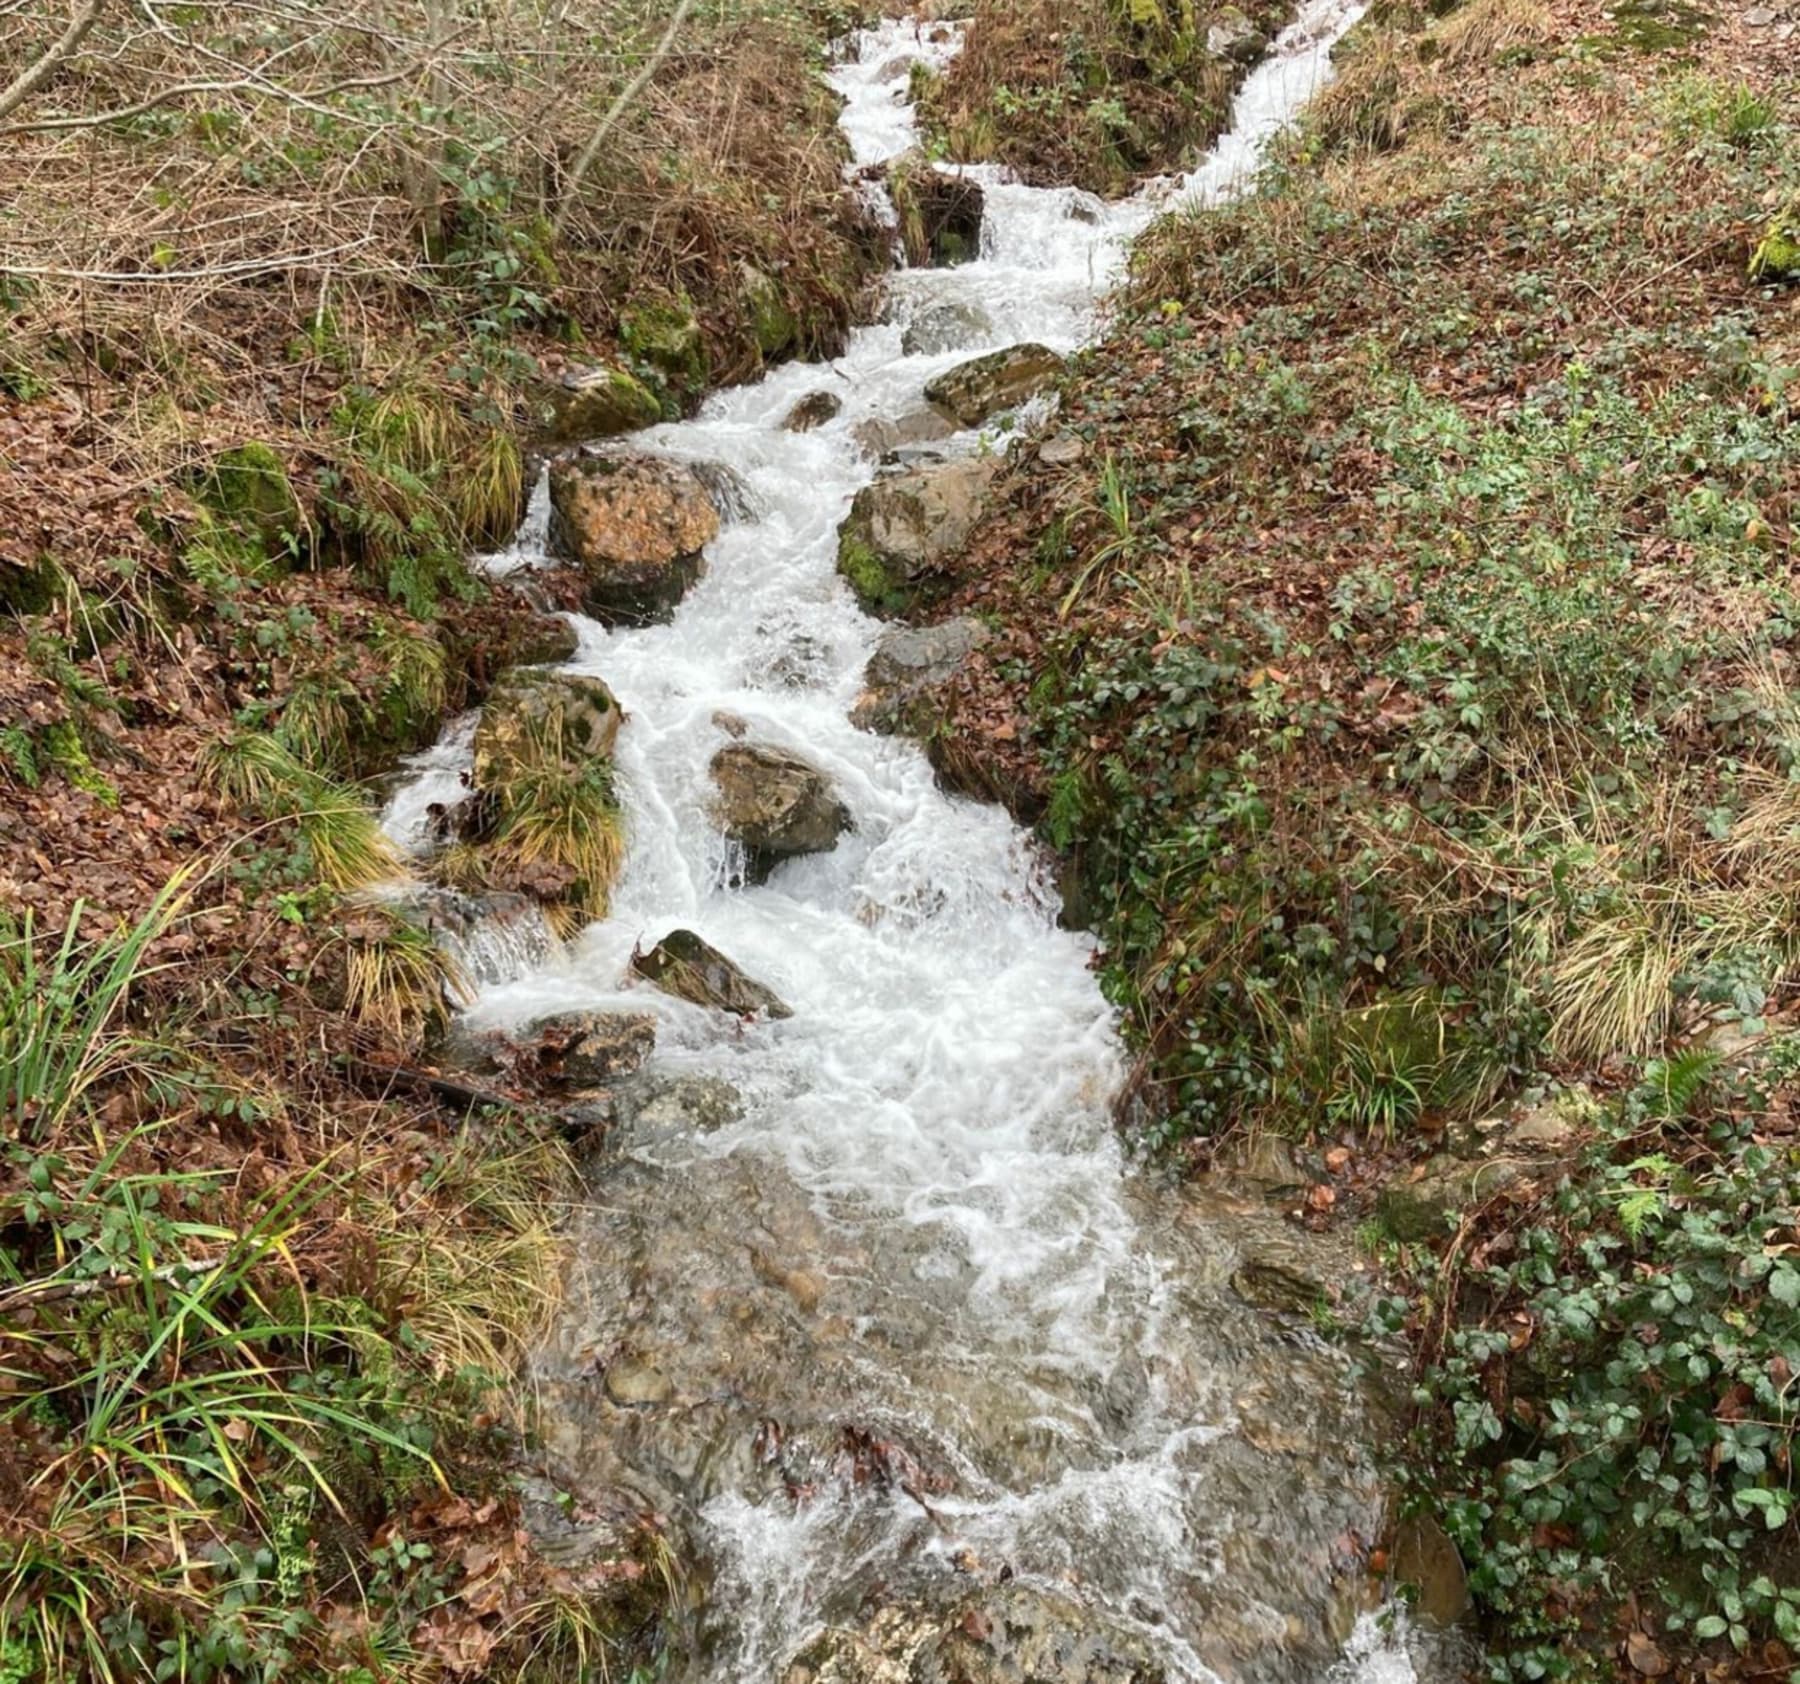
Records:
x=869, y=1303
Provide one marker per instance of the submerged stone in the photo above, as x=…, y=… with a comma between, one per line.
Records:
x=1232, y=36
x=945, y=327
x=813, y=410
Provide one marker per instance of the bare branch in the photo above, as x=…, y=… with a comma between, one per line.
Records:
x=578, y=170
x=307, y=97
x=34, y=76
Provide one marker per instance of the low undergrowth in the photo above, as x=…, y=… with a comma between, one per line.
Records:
x=257, y=1335
x=1423, y=622
x=1605, y=1416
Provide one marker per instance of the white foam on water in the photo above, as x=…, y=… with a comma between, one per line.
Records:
x=434, y=783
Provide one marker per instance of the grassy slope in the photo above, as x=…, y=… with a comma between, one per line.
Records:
x=1409, y=665
x=235, y=495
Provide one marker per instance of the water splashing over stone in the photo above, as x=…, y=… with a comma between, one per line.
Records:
x=892, y=1338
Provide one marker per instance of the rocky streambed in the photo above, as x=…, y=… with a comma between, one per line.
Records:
x=922, y=1379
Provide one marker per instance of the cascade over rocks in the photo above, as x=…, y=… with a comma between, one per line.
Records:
x=973, y=391
x=684, y=965
x=775, y=804
x=635, y=526
x=538, y=712
x=492, y=937
x=910, y=666
x=905, y=530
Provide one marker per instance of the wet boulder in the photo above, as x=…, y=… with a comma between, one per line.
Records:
x=597, y=403
x=775, y=805
x=888, y=440
x=537, y=712
x=904, y=532
x=653, y=1107
x=945, y=327
x=1233, y=37
x=907, y=673
x=813, y=410
x=974, y=391
x=684, y=965
x=588, y=1049
x=635, y=526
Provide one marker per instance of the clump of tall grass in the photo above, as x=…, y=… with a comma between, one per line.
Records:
x=421, y=481
x=472, y=1254
x=557, y=811
x=259, y=772
x=61, y=1011
x=398, y=980
x=206, y=1417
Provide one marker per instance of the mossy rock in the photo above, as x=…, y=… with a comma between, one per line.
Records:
x=772, y=321
x=666, y=338
x=599, y=403
x=248, y=488
x=899, y=545
x=881, y=588
x=537, y=718
x=1659, y=26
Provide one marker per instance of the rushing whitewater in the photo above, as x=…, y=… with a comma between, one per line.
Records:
x=897, y=1329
